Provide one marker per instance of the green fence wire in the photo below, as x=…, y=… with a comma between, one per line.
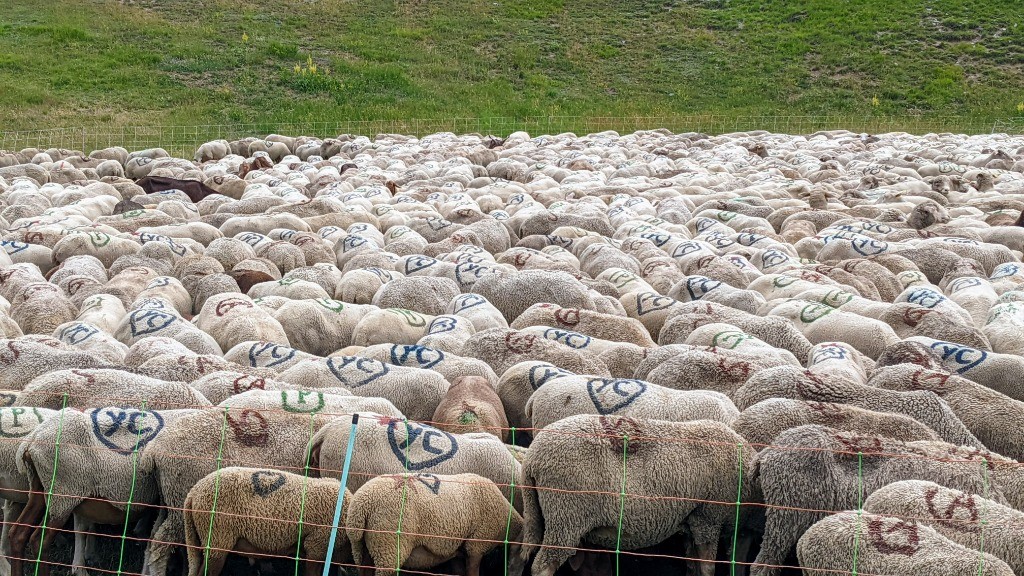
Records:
x=860, y=508
x=739, y=500
x=622, y=504
x=302, y=502
x=182, y=141
x=131, y=492
x=981, y=535
x=511, y=499
x=216, y=490
x=53, y=480
x=401, y=509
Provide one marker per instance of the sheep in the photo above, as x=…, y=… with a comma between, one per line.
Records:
x=447, y=333
x=157, y=317
x=838, y=359
x=576, y=467
x=151, y=347
x=879, y=544
x=570, y=395
x=997, y=371
x=762, y=422
x=589, y=322
x=580, y=341
x=477, y=310
x=359, y=286
x=263, y=511
x=442, y=515
x=329, y=402
x=994, y=418
x=926, y=214
x=40, y=307
x=89, y=338
x=266, y=354
x=517, y=384
x=964, y=518
x=220, y=385
x=681, y=320
x=58, y=456
x=822, y=323
x=321, y=326
x=276, y=439
x=512, y=294
x=23, y=360
x=103, y=246
x=423, y=294
x=651, y=309
x=97, y=387
x=16, y=423
x=386, y=445
x=694, y=288
x=922, y=405
x=471, y=405
x=975, y=295
x=189, y=367
x=390, y=325
x=416, y=392
x=812, y=468
x=719, y=335
x=1002, y=326
x=909, y=319
x=501, y=349
x=685, y=367
x=170, y=289
x=449, y=365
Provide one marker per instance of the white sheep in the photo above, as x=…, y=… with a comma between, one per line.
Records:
x=250, y=510
x=440, y=516
x=888, y=545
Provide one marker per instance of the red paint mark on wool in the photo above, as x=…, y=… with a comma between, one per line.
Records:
x=250, y=429
x=519, y=343
x=948, y=516
x=894, y=536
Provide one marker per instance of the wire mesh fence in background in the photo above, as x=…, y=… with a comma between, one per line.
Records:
x=121, y=435
x=183, y=140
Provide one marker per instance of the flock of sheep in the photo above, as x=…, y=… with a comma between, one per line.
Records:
x=752, y=351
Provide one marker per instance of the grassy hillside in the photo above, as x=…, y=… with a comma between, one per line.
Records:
x=85, y=62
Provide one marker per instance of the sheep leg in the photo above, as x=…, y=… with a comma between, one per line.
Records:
x=743, y=545
x=782, y=529
x=560, y=539
x=83, y=542
x=388, y=555
x=42, y=540
x=162, y=544
x=161, y=516
x=21, y=530
x=216, y=560
x=11, y=512
x=314, y=567
x=707, y=553
x=473, y=565
x=364, y=565
x=705, y=524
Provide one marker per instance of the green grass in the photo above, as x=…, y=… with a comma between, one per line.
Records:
x=177, y=62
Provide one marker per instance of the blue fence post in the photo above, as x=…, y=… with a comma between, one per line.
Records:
x=341, y=495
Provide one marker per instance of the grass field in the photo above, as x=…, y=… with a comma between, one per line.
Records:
x=98, y=62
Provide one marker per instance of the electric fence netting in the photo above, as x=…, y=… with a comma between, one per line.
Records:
x=310, y=532
x=182, y=141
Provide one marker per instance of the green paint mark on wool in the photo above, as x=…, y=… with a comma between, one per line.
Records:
x=468, y=418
